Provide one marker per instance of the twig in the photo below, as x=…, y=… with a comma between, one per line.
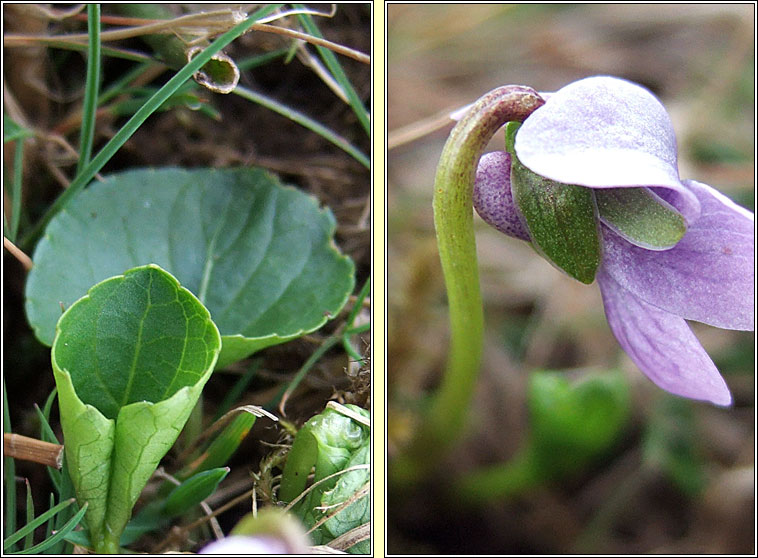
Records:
x=31, y=449
x=25, y=260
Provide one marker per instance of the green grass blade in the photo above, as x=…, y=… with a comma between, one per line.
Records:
x=9, y=471
x=32, y=525
x=18, y=174
x=337, y=72
x=46, y=431
x=306, y=122
x=89, y=108
x=29, y=539
x=49, y=526
x=118, y=86
x=58, y=536
x=47, y=435
x=358, y=302
x=352, y=353
x=238, y=389
x=313, y=359
x=120, y=138
x=261, y=59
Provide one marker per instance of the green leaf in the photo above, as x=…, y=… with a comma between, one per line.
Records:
x=130, y=359
x=193, y=491
x=357, y=512
x=258, y=255
x=13, y=131
x=641, y=217
x=560, y=217
x=329, y=442
x=573, y=422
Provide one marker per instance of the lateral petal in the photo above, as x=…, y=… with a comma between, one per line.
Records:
x=709, y=276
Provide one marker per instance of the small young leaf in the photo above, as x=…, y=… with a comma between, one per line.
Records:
x=130, y=359
x=260, y=256
x=331, y=442
x=641, y=217
x=358, y=512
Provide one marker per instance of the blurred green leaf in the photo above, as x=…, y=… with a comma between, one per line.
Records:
x=572, y=423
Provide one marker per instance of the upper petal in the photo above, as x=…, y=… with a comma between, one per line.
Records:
x=601, y=132
x=662, y=345
x=492, y=195
x=708, y=276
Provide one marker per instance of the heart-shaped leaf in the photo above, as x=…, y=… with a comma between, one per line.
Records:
x=258, y=255
x=130, y=359
x=572, y=423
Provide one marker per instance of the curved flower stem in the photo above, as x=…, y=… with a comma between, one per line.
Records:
x=453, y=220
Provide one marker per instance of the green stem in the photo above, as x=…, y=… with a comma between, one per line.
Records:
x=502, y=480
x=453, y=218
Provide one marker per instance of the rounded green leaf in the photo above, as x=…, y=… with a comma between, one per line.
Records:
x=130, y=359
x=260, y=256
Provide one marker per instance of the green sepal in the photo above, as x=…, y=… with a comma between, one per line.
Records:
x=561, y=221
x=130, y=360
x=561, y=218
x=641, y=217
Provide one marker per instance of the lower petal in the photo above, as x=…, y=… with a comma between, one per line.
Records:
x=662, y=345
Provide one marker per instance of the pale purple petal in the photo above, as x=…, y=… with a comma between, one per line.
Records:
x=493, y=200
x=245, y=545
x=708, y=276
x=601, y=132
x=686, y=204
x=662, y=345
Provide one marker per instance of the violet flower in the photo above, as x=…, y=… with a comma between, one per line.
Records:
x=608, y=134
